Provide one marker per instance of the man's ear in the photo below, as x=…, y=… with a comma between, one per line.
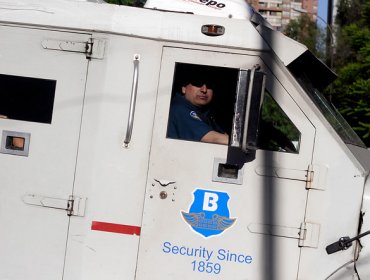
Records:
x=183, y=88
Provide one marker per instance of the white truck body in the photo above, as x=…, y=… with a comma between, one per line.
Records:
x=77, y=203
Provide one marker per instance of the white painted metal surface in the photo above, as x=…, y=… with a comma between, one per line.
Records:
x=247, y=202
x=285, y=48
x=364, y=246
x=227, y=9
x=288, y=206
x=111, y=176
x=33, y=236
x=130, y=21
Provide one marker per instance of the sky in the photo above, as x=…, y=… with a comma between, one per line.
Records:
x=322, y=11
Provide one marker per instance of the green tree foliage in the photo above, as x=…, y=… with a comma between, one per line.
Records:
x=351, y=91
x=276, y=132
x=305, y=31
x=348, y=11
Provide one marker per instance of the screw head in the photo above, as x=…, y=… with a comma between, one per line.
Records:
x=163, y=195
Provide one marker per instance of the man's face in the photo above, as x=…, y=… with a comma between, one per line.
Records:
x=198, y=96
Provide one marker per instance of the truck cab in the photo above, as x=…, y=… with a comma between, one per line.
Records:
x=93, y=186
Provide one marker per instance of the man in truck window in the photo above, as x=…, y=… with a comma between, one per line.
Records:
x=190, y=117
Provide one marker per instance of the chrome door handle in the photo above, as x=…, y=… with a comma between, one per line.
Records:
x=130, y=122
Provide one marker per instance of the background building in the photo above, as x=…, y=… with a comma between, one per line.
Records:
x=279, y=12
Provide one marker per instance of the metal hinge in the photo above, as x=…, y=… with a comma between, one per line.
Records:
x=309, y=235
x=316, y=177
x=74, y=206
x=284, y=173
x=309, y=177
x=93, y=48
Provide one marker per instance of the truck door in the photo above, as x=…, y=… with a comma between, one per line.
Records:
x=42, y=76
x=212, y=212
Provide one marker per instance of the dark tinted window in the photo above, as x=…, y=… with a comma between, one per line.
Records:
x=276, y=130
x=26, y=99
x=222, y=81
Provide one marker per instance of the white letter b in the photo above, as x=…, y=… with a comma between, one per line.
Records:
x=210, y=201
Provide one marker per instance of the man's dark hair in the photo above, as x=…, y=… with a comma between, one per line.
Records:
x=196, y=74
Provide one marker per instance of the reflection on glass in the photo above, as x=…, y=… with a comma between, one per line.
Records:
x=331, y=114
x=277, y=132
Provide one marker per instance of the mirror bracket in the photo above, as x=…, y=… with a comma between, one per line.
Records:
x=250, y=92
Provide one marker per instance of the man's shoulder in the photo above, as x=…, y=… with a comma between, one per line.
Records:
x=179, y=105
x=181, y=111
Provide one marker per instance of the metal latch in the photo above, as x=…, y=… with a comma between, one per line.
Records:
x=93, y=48
x=74, y=206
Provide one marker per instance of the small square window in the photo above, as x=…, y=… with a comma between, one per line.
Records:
x=15, y=143
x=26, y=99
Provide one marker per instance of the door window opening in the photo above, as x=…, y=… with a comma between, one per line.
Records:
x=202, y=101
x=192, y=119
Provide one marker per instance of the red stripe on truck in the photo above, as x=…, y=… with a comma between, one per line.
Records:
x=116, y=228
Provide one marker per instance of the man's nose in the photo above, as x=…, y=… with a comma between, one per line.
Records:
x=203, y=88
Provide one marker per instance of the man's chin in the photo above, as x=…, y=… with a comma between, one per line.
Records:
x=202, y=104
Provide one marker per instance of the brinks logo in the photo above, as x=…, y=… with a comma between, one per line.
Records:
x=194, y=115
x=209, y=213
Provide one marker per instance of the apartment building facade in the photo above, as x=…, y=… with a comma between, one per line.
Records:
x=280, y=12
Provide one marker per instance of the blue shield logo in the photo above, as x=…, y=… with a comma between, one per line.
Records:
x=209, y=214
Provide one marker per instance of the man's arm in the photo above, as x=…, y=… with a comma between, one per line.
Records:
x=216, y=138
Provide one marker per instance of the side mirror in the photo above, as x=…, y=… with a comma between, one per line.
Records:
x=250, y=92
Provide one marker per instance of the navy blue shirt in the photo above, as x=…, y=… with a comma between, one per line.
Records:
x=189, y=122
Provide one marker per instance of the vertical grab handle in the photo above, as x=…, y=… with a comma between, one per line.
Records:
x=130, y=122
